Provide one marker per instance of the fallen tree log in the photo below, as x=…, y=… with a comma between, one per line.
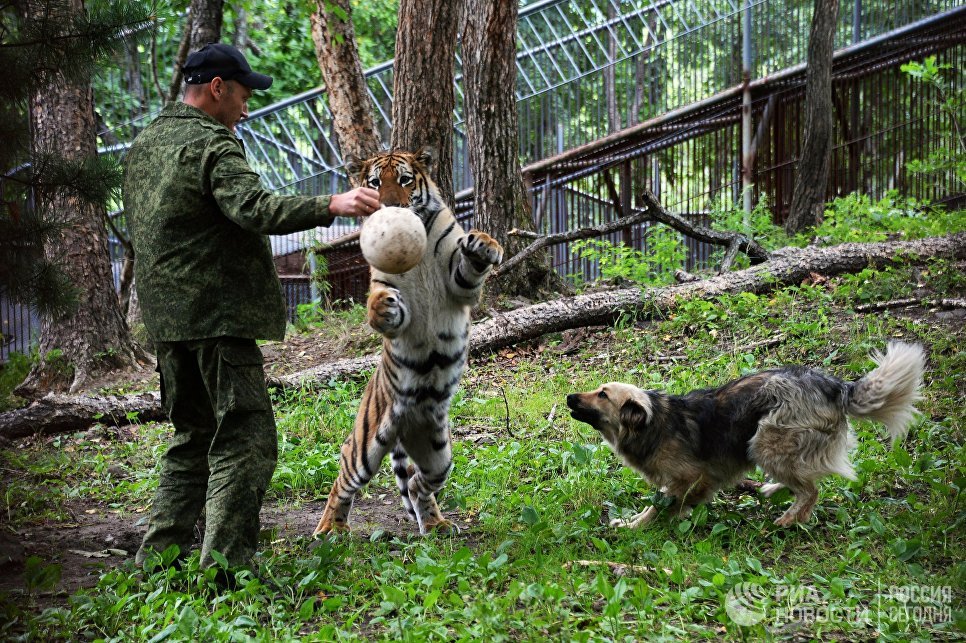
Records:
x=55, y=413
x=788, y=266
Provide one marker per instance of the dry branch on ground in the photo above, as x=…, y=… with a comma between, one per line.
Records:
x=653, y=212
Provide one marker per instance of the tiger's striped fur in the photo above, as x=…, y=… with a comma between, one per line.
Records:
x=424, y=317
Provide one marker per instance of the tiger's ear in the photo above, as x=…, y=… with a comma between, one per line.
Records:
x=353, y=166
x=427, y=156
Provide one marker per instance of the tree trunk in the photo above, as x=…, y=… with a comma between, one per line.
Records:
x=240, y=38
x=423, y=97
x=499, y=196
x=345, y=82
x=94, y=339
x=206, y=18
x=788, y=266
x=808, y=198
x=202, y=26
x=174, y=89
x=135, y=84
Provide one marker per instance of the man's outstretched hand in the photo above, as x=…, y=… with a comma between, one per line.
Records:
x=359, y=202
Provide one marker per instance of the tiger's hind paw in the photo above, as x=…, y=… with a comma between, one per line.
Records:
x=332, y=528
x=442, y=526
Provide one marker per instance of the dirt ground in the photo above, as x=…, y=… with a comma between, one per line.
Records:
x=99, y=537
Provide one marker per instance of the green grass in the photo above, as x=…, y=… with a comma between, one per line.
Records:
x=537, y=502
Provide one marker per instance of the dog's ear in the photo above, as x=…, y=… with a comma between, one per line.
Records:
x=633, y=415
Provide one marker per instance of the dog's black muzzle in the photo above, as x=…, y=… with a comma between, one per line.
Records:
x=582, y=413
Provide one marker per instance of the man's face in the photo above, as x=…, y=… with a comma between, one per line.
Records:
x=233, y=103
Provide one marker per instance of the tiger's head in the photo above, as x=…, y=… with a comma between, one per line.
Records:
x=402, y=179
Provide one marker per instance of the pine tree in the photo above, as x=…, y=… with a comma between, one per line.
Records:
x=54, y=187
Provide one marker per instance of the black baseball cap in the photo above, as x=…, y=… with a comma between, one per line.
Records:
x=224, y=61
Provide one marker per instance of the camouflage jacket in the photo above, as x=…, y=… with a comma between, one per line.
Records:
x=198, y=217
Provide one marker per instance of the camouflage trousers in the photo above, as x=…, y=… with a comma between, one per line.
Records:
x=223, y=452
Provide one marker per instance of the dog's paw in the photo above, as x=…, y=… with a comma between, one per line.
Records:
x=385, y=309
x=786, y=520
x=635, y=521
x=481, y=249
x=794, y=516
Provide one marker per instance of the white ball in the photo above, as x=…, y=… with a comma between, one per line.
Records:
x=393, y=240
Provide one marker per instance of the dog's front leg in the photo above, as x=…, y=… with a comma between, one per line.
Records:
x=637, y=520
x=769, y=489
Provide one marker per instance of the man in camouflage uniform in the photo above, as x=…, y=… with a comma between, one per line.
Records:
x=208, y=289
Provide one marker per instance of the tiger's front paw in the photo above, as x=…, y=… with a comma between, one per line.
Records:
x=481, y=249
x=386, y=312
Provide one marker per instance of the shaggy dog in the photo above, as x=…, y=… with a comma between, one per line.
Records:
x=790, y=421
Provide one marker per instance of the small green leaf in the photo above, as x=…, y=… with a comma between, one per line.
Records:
x=187, y=620
x=394, y=595
x=497, y=562
x=876, y=523
x=902, y=457
x=307, y=610
x=165, y=633
x=244, y=621
x=219, y=559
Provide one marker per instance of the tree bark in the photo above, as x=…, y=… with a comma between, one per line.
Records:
x=174, y=88
x=202, y=27
x=94, y=339
x=499, y=195
x=345, y=82
x=423, y=97
x=240, y=38
x=132, y=73
x=54, y=414
x=787, y=266
x=206, y=19
x=808, y=197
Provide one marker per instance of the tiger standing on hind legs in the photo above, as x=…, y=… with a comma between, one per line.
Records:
x=424, y=318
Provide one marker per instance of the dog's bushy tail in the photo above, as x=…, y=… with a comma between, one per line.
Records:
x=889, y=392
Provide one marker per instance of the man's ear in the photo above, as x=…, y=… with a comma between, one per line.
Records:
x=353, y=169
x=217, y=87
x=426, y=155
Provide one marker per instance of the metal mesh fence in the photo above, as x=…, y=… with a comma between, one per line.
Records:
x=673, y=68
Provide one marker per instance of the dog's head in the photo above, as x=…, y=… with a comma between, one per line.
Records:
x=613, y=409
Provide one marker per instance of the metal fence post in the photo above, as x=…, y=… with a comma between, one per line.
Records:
x=746, y=161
